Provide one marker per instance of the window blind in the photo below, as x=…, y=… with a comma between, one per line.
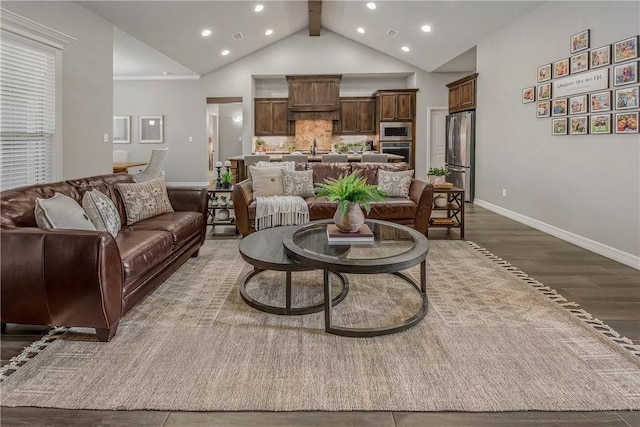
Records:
x=27, y=114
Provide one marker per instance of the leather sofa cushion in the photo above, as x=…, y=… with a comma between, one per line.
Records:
x=17, y=206
x=322, y=171
x=106, y=184
x=370, y=170
x=181, y=225
x=141, y=250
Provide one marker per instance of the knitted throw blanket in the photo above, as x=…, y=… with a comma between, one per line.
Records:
x=272, y=211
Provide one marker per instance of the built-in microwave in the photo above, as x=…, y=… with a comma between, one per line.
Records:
x=395, y=131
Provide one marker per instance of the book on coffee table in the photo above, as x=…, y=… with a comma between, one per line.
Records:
x=363, y=235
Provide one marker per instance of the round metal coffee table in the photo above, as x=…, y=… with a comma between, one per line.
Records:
x=396, y=248
x=264, y=250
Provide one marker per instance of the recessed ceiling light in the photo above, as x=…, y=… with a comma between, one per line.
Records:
x=405, y=48
x=206, y=33
x=225, y=52
x=371, y=5
x=258, y=8
x=361, y=30
x=426, y=28
x=268, y=32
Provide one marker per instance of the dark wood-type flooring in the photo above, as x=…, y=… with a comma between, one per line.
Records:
x=607, y=289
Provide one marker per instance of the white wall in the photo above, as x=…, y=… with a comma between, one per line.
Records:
x=87, y=84
x=230, y=132
x=582, y=188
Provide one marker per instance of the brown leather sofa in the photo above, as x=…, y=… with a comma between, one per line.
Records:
x=65, y=277
x=413, y=212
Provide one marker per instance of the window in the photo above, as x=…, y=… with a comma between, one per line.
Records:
x=30, y=82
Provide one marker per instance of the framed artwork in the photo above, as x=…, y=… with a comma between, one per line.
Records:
x=600, y=101
x=544, y=73
x=600, y=123
x=627, y=98
x=544, y=92
x=580, y=41
x=559, y=126
x=543, y=109
x=626, y=122
x=578, y=104
x=151, y=130
x=559, y=107
x=580, y=62
x=578, y=125
x=561, y=68
x=625, y=49
x=625, y=73
x=121, y=129
x=528, y=94
x=600, y=57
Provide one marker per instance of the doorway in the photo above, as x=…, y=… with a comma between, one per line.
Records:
x=224, y=129
x=437, y=137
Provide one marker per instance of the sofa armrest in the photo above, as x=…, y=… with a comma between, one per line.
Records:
x=421, y=193
x=192, y=200
x=60, y=277
x=242, y=198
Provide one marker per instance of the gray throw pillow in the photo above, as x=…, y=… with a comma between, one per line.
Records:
x=61, y=211
x=298, y=183
x=395, y=184
x=102, y=212
x=144, y=200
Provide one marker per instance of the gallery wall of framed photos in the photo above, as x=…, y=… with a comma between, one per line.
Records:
x=592, y=91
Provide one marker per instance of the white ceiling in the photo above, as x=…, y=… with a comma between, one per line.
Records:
x=156, y=37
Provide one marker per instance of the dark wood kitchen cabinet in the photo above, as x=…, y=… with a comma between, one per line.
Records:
x=397, y=105
x=462, y=94
x=357, y=116
x=314, y=94
x=271, y=117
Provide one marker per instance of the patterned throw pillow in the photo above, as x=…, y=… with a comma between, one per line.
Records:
x=144, y=200
x=266, y=181
x=298, y=183
x=61, y=211
x=395, y=184
x=102, y=212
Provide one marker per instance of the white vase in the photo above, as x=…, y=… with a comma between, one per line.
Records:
x=440, y=202
x=439, y=179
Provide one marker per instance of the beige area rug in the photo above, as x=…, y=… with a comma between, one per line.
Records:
x=493, y=340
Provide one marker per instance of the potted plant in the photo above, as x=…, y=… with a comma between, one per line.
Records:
x=261, y=144
x=214, y=200
x=352, y=193
x=439, y=175
x=225, y=179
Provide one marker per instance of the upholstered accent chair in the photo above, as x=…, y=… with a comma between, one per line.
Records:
x=154, y=167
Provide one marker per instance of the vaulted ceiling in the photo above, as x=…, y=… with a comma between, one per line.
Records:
x=163, y=38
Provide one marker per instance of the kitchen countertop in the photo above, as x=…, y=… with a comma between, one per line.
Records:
x=276, y=156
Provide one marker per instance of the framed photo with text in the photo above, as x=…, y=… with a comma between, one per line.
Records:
x=543, y=109
x=561, y=68
x=544, y=73
x=627, y=98
x=600, y=57
x=626, y=122
x=559, y=126
x=121, y=129
x=578, y=125
x=544, y=92
x=625, y=49
x=578, y=104
x=151, y=130
x=600, y=101
x=600, y=123
x=580, y=41
x=625, y=73
x=559, y=107
x=528, y=94
x=580, y=62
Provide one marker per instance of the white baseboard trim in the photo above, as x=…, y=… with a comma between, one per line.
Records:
x=591, y=245
x=188, y=184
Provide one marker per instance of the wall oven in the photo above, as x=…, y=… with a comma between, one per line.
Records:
x=402, y=148
x=396, y=131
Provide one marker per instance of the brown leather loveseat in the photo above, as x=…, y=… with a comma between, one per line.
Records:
x=67, y=277
x=413, y=212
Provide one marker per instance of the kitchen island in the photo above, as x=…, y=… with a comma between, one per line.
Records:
x=239, y=171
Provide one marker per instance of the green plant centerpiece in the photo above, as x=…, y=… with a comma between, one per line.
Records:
x=261, y=144
x=439, y=175
x=352, y=194
x=225, y=179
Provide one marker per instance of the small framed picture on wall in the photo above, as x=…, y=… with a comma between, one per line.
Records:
x=578, y=125
x=580, y=41
x=626, y=122
x=600, y=101
x=625, y=73
x=544, y=73
x=151, y=129
x=580, y=62
x=543, y=109
x=544, y=92
x=561, y=68
x=600, y=123
x=559, y=126
x=601, y=56
x=627, y=98
x=625, y=49
x=578, y=104
x=528, y=94
x=559, y=107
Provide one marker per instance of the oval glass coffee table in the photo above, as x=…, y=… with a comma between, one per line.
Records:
x=264, y=250
x=395, y=248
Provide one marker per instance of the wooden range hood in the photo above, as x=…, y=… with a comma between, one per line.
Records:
x=314, y=97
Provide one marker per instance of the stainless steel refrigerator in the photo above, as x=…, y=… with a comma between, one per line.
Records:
x=460, y=151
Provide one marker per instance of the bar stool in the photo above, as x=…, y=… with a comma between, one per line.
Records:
x=334, y=158
x=374, y=158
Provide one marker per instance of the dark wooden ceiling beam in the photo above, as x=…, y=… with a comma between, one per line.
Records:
x=315, y=13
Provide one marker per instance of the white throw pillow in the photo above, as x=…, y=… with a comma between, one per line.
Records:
x=395, y=184
x=298, y=183
x=144, y=200
x=102, y=212
x=266, y=181
x=61, y=211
